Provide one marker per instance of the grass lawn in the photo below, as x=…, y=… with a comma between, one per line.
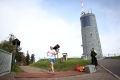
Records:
x=16, y=69
x=114, y=57
x=68, y=65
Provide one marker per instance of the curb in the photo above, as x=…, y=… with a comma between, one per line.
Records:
x=110, y=72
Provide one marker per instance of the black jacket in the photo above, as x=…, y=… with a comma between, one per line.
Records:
x=93, y=54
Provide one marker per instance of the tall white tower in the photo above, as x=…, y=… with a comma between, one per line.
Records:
x=90, y=35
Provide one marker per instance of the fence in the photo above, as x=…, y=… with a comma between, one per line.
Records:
x=5, y=62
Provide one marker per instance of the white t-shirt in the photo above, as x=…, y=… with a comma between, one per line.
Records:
x=51, y=53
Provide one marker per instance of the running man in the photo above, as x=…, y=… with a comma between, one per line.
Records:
x=51, y=54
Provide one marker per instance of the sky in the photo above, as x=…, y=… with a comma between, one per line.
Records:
x=39, y=24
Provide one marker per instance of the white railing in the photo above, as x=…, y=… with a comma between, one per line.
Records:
x=5, y=62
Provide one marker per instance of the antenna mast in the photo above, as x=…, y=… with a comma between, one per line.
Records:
x=91, y=10
x=82, y=8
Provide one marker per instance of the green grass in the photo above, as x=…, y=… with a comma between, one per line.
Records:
x=17, y=69
x=63, y=66
x=114, y=57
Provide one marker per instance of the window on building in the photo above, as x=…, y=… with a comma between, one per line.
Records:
x=86, y=21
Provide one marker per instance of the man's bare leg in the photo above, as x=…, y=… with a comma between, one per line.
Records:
x=52, y=67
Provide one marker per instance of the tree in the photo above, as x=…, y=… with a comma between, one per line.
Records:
x=18, y=57
x=32, y=58
x=27, y=58
x=7, y=44
x=23, y=59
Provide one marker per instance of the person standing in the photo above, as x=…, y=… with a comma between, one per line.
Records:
x=51, y=54
x=93, y=58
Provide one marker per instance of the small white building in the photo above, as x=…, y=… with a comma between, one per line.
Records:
x=65, y=56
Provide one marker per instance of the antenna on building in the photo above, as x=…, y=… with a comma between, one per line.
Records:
x=82, y=8
x=91, y=10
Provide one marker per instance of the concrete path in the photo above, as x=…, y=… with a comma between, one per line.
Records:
x=112, y=65
x=30, y=69
x=102, y=75
x=40, y=73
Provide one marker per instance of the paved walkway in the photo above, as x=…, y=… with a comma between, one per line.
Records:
x=30, y=69
x=39, y=73
x=102, y=75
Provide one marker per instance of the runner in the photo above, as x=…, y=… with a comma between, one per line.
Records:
x=51, y=54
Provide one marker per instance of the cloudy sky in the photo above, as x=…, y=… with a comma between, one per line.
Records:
x=41, y=23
